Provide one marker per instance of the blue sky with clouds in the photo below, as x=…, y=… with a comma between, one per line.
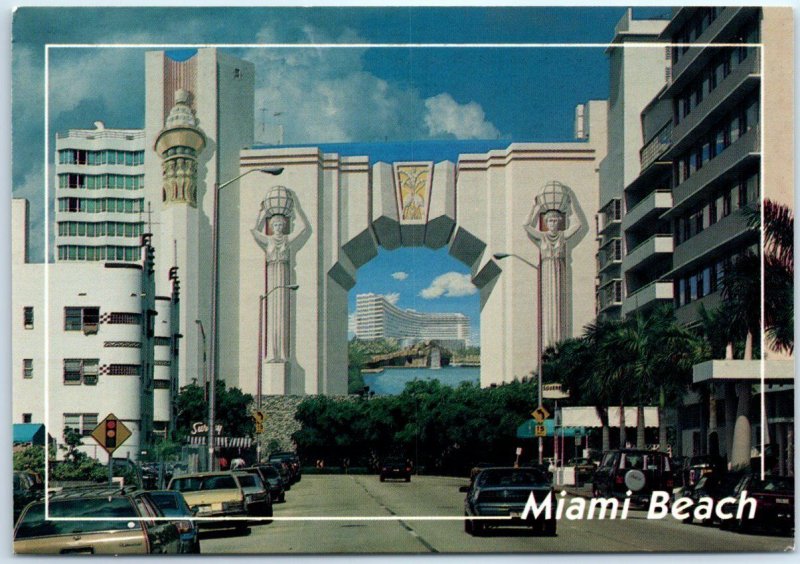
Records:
x=330, y=95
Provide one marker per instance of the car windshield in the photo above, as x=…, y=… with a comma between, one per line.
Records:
x=248, y=481
x=197, y=483
x=169, y=504
x=33, y=524
x=512, y=477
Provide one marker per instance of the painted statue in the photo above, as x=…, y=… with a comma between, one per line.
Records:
x=550, y=228
x=277, y=210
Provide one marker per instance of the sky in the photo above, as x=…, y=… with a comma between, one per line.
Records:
x=322, y=94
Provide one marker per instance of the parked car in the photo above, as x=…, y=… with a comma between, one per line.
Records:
x=292, y=460
x=396, y=469
x=712, y=486
x=213, y=494
x=142, y=534
x=285, y=473
x=25, y=492
x=257, y=501
x=504, y=492
x=173, y=504
x=269, y=475
x=640, y=471
x=774, y=496
x=584, y=469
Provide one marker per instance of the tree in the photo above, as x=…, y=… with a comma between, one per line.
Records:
x=233, y=410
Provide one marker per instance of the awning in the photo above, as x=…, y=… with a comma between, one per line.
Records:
x=31, y=433
x=587, y=417
x=775, y=371
x=223, y=442
x=528, y=430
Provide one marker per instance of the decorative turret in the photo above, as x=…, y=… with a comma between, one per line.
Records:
x=179, y=144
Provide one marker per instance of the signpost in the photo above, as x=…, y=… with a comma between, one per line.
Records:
x=540, y=414
x=110, y=434
x=540, y=431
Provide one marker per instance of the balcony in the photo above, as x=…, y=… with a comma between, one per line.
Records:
x=610, y=217
x=650, y=208
x=734, y=88
x=647, y=296
x=714, y=240
x=609, y=295
x=724, y=167
x=656, y=147
x=647, y=252
x=609, y=255
x=690, y=313
x=694, y=58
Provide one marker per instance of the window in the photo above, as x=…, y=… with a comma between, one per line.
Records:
x=27, y=314
x=124, y=370
x=89, y=423
x=27, y=418
x=125, y=318
x=81, y=371
x=161, y=384
x=72, y=421
x=84, y=319
x=27, y=368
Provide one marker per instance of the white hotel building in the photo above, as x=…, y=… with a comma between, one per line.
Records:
x=91, y=339
x=377, y=318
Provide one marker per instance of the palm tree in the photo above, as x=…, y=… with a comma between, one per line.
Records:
x=602, y=391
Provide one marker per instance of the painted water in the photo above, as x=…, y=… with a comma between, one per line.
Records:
x=391, y=381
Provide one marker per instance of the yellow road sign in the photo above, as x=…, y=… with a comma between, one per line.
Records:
x=111, y=433
x=540, y=431
x=540, y=414
x=259, y=417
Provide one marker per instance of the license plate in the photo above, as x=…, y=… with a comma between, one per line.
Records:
x=783, y=500
x=204, y=509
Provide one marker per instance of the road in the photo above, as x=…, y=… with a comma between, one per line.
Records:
x=359, y=514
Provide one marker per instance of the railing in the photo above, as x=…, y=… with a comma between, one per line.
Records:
x=609, y=253
x=102, y=134
x=610, y=294
x=657, y=146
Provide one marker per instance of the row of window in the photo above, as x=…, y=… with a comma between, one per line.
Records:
x=705, y=280
x=100, y=229
x=725, y=134
x=710, y=78
x=101, y=181
x=99, y=205
x=107, y=156
x=83, y=423
x=107, y=252
x=693, y=29
x=696, y=219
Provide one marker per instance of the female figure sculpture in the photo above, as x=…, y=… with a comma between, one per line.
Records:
x=277, y=209
x=546, y=226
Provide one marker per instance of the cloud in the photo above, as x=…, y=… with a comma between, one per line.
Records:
x=445, y=116
x=449, y=285
x=392, y=298
x=400, y=275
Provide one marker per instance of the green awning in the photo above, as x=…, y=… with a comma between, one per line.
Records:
x=527, y=430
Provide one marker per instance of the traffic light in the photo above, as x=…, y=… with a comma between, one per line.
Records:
x=111, y=433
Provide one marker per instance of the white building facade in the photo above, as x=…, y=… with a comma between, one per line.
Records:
x=100, y=209
x=82, y=346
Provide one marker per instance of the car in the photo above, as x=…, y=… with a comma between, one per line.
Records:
x=257, y=501
x=713, y=486
x=640, y=471
x=285, y=473
x=173, y=504
x=504, y=492
x=395, y=468
x=584, y=469
x=774, y=496
x=214, y=494
x=269, y=475
x=142, y=534
x=25, y=492
x=292, y=460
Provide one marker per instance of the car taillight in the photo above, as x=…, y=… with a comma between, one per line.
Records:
x=384, y=468
x=408, y=469
x=619, y=479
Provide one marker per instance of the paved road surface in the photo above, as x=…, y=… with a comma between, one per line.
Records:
x=397, y=503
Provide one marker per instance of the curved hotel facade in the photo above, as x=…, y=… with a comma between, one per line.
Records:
x=377, y=318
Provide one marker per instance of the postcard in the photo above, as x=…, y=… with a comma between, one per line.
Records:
x=402, y=280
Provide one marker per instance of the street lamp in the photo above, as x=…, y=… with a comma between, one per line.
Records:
x=205, y=366
x=501, y=256
x=214, y=283
x=261, y=300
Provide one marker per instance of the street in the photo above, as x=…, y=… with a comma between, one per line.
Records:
x=375, y=517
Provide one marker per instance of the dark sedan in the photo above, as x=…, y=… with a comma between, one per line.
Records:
x=270, y=476
x=774, y=496
x=396, y=469
x=172, y=504
x=504, y=492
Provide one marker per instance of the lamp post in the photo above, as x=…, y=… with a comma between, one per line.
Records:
x=205, y=366
x=261, y=299
x=538, y=269
x=214, y=283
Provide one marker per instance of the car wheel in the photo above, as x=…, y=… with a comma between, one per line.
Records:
x=740, y=526
x=282, y=498
x=478, y=528
x=196, y=547
x=688, y=520
x=549, y=528
x=383, y=479
x=241, y=528
x=268, y=511
x=408, y=478
x=467, y=525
